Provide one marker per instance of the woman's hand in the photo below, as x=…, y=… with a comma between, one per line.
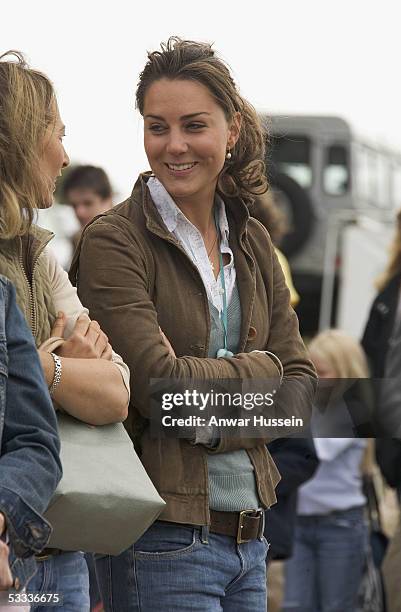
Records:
x=6, y=579
x=2, y=523
x=166, y=342
x=91, y=388
x=87, y=340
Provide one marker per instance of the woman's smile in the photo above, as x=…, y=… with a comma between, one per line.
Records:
x=183, y=169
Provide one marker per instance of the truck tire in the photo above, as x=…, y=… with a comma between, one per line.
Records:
x=296, y=204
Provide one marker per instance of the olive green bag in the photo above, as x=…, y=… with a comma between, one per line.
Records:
x=105, y=500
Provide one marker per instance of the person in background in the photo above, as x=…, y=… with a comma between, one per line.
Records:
x=296, y=461
x=183, y=256
x=381, y=331
x=325, y=570
x=295, y=458
x=382, y=343
x=88, y=190
x=85, y=377
x=29, y=447
x=266, y=211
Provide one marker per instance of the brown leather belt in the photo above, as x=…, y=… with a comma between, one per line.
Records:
x=245, y=526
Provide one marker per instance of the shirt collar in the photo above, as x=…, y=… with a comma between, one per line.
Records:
x=170, y=213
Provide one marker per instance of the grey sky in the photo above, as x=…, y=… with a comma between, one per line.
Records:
x=309, y=56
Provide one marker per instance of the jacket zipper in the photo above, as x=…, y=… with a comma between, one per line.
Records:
x=31, y=290
x=32, y=305
x=31, y=287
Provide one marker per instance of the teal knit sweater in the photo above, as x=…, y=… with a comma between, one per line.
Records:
x=232, y=485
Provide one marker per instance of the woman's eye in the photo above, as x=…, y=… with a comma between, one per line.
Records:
x=156, y=128
x=195, y=126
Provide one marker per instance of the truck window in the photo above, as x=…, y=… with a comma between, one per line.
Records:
x=336, y=173
x=292, y=156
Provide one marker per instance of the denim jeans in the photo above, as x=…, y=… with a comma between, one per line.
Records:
x=66, y=574
x=173, y=568
x=324, y=573
x=94, y=593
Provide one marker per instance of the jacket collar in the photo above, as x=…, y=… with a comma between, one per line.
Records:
x=37, y=239
x=42, y=236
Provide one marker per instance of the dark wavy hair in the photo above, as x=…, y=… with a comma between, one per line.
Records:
x=86, y=177
x=244, y=174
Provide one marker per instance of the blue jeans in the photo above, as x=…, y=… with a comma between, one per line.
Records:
x=94, y=594
x=170, y=568
x=66, y=574
x=324, y=573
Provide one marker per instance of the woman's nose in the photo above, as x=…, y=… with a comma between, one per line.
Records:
x=177, y=143
x=66, y=160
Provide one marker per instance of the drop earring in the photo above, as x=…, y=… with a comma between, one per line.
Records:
x=228, y=155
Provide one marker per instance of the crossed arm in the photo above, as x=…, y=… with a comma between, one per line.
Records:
x=91, y=387
x=94, y=384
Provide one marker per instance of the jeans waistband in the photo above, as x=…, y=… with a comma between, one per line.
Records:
x=354, y=510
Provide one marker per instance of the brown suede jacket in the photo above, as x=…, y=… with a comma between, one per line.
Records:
x=134, y=276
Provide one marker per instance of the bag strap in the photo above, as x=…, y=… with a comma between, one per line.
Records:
x=373, y=507
x=369, y=472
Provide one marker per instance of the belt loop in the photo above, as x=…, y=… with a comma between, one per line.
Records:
x=204, y=534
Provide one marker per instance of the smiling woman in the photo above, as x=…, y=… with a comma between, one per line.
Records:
x=188, y=287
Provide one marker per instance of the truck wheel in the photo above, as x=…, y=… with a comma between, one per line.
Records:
x=297, y=207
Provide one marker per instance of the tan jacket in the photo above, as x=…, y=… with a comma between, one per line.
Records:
x=135, y=276
x=33, y=287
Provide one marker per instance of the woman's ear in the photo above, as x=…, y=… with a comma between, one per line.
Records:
x=234, y=130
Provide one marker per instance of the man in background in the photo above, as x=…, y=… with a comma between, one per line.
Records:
x=87, y=189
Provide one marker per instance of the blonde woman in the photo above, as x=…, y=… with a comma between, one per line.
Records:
x=84, y=376
x=326, y=567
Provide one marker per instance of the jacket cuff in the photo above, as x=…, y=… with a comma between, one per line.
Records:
x=28, y=531
x=276, y=361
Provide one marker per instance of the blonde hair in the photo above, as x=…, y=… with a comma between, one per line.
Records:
x=394, y=264
x=27, y=108
x=344, y=354
x=244, y=174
